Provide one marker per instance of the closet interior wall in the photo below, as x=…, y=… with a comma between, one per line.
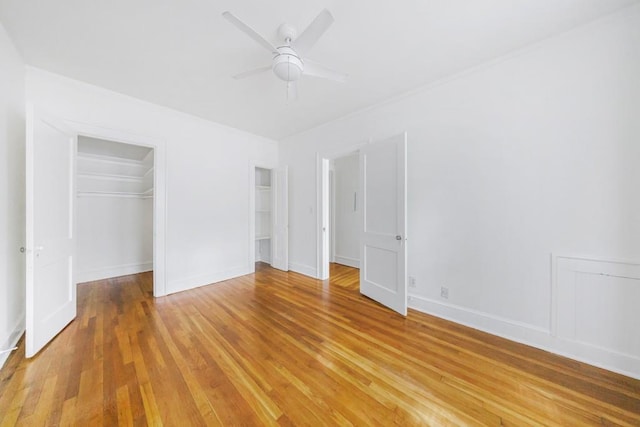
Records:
x=114, y=217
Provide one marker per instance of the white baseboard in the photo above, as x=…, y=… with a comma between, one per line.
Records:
x=530, y=335
x=303, y=269
x=187, y=283
x=348, y=261
x=12, y=340
x=112, y=271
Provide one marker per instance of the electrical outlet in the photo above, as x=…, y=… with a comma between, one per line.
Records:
x=412, y=282
x=444, y=292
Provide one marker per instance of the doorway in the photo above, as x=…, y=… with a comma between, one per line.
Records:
x=382, y=188
x=268, y=216
x=114, y=209
x=50, y=208
x=339, y=213
x=159, y=199
x=262, y=215
x=344, y=211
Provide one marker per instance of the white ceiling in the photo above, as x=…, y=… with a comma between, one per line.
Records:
x=181, y=53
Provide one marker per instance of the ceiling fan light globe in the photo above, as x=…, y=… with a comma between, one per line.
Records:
x=287, y=65
x=287, y=71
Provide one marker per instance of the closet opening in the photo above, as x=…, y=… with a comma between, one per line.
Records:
x=268, y=217
x=263, y=215
x=114, y=219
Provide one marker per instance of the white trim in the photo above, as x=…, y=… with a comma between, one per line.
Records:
x=12, y=340
x=251, y=261
x=529, y=335
x=192, y=282
x=348, y=261
x=113, y=271
x=29, y=221
x=303, y=269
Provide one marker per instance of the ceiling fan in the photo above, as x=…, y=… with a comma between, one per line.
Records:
x=288, y=63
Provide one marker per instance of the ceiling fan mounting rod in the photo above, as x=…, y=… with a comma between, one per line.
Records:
x=287, y=33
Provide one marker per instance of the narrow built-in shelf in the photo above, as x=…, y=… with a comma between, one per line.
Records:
x=267, y=237
x=263, y=187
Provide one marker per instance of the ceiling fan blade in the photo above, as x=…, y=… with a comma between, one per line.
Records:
x=317, y=70
x=253, y=72
x=249, y=31
x=313, y=32
x=292, y=91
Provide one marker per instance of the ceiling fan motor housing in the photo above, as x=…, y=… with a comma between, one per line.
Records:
x=287, y=65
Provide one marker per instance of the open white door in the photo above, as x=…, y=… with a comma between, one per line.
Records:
x=382, y=244
x=50, y=203
x=280, y=218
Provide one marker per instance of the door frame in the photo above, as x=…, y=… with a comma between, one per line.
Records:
x=159, y=190
x=323, y=202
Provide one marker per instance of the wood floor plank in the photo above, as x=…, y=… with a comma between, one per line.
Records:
x=279, y=348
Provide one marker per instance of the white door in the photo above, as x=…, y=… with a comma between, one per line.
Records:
x=50, y=290
x=382, y=244
x=280, y=218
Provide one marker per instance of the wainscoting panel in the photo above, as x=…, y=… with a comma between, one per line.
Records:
x=597, y=304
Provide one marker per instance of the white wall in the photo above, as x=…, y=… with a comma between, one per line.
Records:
x=207, y=176
x=12, y=215
x=346, y=220
x=114, y=237
x=532, y=155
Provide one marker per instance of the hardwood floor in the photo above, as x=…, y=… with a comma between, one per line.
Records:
x=277, y=348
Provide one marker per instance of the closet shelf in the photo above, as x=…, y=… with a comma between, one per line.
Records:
x=263, y=237
x=263, y=187
x=109, y=177
x=113, y=194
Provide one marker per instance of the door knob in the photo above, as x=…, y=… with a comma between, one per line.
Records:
x=398, y=237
